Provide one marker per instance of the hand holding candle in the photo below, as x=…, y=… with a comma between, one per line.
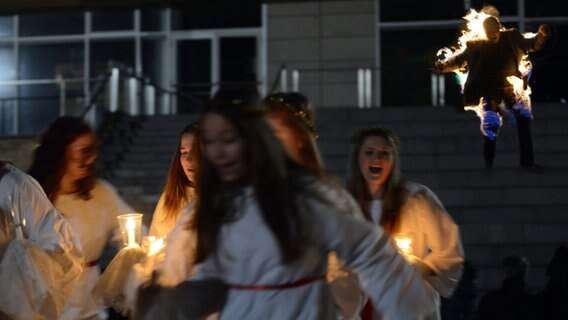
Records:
x=404, y=244
x=131, y=229
x=156, y=247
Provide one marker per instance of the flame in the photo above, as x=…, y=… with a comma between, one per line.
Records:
x=130, y=224
x=473, y=32
x=404, y=243
x=478, y=109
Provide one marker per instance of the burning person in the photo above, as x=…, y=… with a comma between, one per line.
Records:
x=498, y=70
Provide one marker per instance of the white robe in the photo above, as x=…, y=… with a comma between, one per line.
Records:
x=180, y=251
x=37, y=274
x=435, y=238
x=248, y=254
x=95, y=223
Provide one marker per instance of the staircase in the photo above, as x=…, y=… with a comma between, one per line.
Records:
x=507, y=211
x=139, y=169
x=503, y=212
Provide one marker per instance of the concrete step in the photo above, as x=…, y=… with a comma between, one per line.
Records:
x=464, y=215
x=489, y=255
x=502, y=177
x=451, y=162
x=503, y=196
x=142, y=173
x=521, y=234
x=489, y=278
x=448, y=144
x=414, y=113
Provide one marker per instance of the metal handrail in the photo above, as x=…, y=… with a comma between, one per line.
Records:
x=97, y=89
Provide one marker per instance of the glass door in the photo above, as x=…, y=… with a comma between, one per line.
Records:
x=212, y=60
x=194, y=73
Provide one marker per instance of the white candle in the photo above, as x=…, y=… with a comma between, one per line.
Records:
x=131, y=229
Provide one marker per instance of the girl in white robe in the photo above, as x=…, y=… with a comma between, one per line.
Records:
x=64, y=166
x=179, y=189
x=265, y=227
x=291, y=117
x=410, y=212
x=38, y=272
x=131, y=268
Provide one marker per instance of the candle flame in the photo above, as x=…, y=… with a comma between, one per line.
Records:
x=404, y=243
x=130, y=224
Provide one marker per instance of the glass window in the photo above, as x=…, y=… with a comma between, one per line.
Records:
x=194, y=73
x=6, y=26
x=7, y=93
x=407, y=60
x=7, y=106
x=51, y=24
x=550, y=64
x=151, y=19
x=7, y=68
x=407, y=10
x=40, y=104
x=110, y=20
x=505, y=7
x=545, y=8
x=104, y=52
x=118, y=51
x=238, y=59
x=211, y=15
x=152, y=61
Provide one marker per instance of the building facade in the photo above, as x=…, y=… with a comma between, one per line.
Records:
x=367, y=53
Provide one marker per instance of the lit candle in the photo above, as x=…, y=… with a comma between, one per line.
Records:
x=131, y=229
x=404, y=243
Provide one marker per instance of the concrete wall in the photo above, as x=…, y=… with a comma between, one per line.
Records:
x=17, y=150
x=327, y=42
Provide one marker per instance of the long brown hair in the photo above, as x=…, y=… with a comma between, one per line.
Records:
x=268, y=172
x=49, y=163
x=176, y=191
x=394, y=194
x=297, y=114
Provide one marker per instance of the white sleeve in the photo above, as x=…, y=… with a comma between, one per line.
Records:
x=50, y=258
x=396, y=288
x=116, y=202
x=180, y=251
x=443, y=240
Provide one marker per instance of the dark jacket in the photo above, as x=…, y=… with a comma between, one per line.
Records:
x=490, y=64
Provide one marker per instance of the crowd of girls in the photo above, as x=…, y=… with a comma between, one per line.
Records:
x=249, y=204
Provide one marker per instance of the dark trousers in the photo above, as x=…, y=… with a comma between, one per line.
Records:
x=524, y=135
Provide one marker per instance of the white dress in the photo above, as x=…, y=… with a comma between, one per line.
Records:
x=95, y=222
x=435, y=238
x=180, y=250
x=37, y=274
x=248, y=254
